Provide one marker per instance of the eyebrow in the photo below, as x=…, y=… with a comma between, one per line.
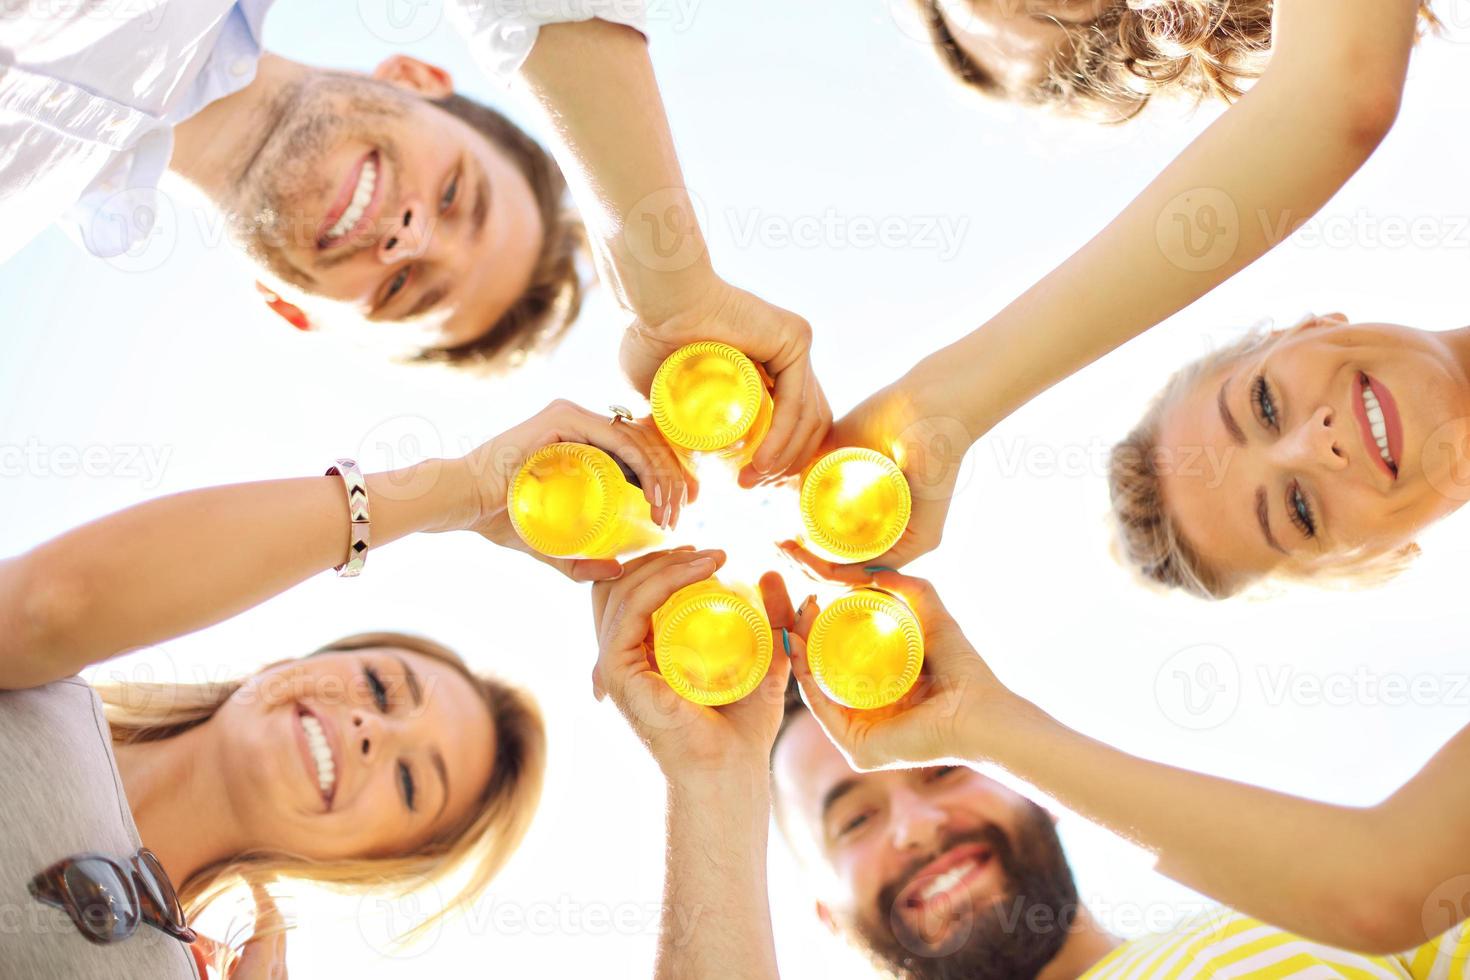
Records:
x=443, y=771
x=837, y=792
x=1233, y=427
x=427, y=300
x=416, y=691
x=482, y=201
x=1263, y=519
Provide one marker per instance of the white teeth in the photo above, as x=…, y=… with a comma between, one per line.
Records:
x=366, y=181
x=947, y=880
x=1375, y=422
x=316, y=740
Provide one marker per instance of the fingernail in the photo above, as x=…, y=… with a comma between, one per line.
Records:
x=658, y=495
x=875, y=569
x=684, y=496
x=786, y=640
x=804, y=603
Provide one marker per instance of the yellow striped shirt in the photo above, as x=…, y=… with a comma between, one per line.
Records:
x=1227, y=944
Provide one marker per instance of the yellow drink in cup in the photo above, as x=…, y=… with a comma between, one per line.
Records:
x=575, y=501
x=865, y=649
x=710, y=398
x=712, y=642
x=855, y=505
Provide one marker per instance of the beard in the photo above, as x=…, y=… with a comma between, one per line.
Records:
x=1011, y=939
x=276, y=204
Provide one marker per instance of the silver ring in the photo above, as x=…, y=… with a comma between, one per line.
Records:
x=619, y=414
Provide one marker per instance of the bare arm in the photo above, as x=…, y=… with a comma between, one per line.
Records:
x=1382, y=879
x=1328, y=98
x=716, y=915
x=716, y=763
x=180, y=563
x=594, y=84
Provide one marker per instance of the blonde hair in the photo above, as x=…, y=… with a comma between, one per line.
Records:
x=146, y=712
x=1112, y=66
x=1147, y=539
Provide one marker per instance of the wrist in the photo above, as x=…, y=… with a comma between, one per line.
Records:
x=424, y=497
x=661, y=267
x=934, y=396
x=733, y=783
x=992, y=729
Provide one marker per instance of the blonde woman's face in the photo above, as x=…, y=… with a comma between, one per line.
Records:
x=368, y=753
x=1334, y=442
x=1013, y=41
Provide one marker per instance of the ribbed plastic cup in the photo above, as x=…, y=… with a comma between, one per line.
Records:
x=711, y=643
x=572, y=501
x=710, y=398
x=855, y=505
x=865, y=649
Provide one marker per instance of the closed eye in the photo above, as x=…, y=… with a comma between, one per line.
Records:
x=451, y=192
x=405, y=784
x=379, y=689
x=394, y=285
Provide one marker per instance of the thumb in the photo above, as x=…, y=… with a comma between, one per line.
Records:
x=832, y=716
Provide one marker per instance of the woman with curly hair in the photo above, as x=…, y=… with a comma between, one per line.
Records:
x=1314, y=87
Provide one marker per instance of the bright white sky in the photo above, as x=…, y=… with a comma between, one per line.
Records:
x=797, y=124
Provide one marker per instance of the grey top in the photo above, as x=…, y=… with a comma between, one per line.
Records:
x=60, y=794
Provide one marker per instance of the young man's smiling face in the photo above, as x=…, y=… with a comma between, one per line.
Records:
x=935, y=872
x=365, y=192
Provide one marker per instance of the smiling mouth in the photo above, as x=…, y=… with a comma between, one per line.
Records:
x=943, y=884
x=342, y=224
x=1379, y=423
x=321, y=755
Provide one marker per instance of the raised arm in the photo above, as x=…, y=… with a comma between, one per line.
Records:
x=716, y=912
x=595, y=85
x=1328, y=98
x=180, y=563
x=1380, y=879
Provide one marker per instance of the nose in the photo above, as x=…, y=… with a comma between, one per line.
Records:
x=368, y=735
x=1314, y=443
x=407, y=233
x=915, y=822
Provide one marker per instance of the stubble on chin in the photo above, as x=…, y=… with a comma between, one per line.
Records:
x=276, y=206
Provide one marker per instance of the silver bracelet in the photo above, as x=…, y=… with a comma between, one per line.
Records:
x=357, y=508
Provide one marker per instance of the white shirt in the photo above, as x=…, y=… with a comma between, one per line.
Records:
x=90, y=91
x=89, y=95
x=502, y=32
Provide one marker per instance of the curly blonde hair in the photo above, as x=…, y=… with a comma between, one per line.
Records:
x=1111, y=66
x=474, y=852
x=1147, y=538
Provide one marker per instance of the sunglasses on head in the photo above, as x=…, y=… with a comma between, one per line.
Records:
x=107, y=899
